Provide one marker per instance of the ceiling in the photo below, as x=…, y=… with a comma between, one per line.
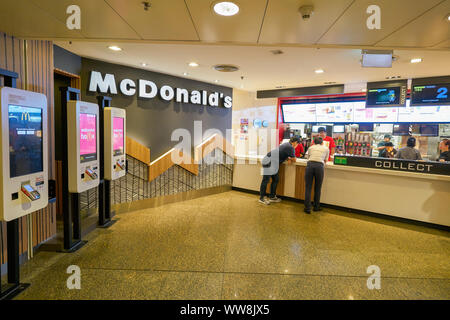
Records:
x=404, y=23
x=260, y=68
x=173, y=33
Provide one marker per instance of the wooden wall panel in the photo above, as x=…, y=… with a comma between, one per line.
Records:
x=138, y=151
x=33, y=61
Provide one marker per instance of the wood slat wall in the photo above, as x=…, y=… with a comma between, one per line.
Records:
x=138, y=151
x=33, y=61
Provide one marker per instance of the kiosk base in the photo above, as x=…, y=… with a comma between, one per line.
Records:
x=13, y=291
x=75, y=247
x=107, y=224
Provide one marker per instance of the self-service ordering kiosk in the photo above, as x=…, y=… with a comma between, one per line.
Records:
x=24, y=159
x=114, y=144
x=83, y=145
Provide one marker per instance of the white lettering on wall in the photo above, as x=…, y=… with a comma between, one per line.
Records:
x=102, y=85
x=148, y=90
x=128, y=87
x=167, y=93
x=143, y=84
x=182, y=95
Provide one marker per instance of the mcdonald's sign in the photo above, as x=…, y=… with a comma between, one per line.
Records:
x=25, y=116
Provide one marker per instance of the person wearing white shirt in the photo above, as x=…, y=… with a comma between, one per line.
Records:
x=317, y=155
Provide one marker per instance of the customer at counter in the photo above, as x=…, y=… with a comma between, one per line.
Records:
x=382, y=145
x=388, y=151
x=409, y=152
x=271, y=164
x=327, y=142
x=445, y=148
x=317, y=155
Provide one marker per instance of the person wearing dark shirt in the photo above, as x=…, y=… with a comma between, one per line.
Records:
x=388, y=151
x=271, y=163
x=409, y=152
x=382, y=145
x=445, y=154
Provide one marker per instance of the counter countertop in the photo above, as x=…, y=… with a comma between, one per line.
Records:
x=331, y=165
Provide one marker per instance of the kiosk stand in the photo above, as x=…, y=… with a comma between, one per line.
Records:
x=24, y=167
x=70, y=201
x=104, y=188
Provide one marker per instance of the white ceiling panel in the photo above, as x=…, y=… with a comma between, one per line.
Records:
x=98, y=19
x=22, y=18
x=260, y=68
x=284, y=24
x=242, y=27
x=430, y=29
x=164, y=20
x=351, y=28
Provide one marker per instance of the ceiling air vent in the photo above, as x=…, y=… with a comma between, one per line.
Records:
x=226, y=68
x=276, y=52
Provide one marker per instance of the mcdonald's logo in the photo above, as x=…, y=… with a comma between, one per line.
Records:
x=25, y=116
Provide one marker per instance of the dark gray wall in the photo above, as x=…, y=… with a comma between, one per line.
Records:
x=66, y=60
x=152, y=121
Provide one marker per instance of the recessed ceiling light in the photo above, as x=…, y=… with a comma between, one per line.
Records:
x=193, y=64
x=448, y=17
x=416, y=60
x=185, y=74
x=143, y=64
x=319, y=71
x=226, y=8
x=115, y=48
x=216, y=81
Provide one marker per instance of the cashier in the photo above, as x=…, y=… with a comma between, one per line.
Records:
x=299, y=150
x=382, y=145
x=327, y=141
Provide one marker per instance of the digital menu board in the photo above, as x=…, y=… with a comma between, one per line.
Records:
x=358, y=112
x=334, y=112
x=299, y=112
x=88, y=137
x=386, y=94
x=25, y=140
x=118, y=136
x=432, y=94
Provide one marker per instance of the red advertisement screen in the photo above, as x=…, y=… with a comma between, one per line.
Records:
x=117, y=136
x=88, y=137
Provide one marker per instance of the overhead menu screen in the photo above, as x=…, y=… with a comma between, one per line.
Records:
x=25, y=140
x=433, y=94
x=118, y=136
x=88, y=137
x=383, y=97
x=299, y=112
x=334, y=112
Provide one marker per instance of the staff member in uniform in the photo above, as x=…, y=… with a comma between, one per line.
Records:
x=327, y=142
x=271, y=163
x=445, y=154
x=317, y=155
x=382, y=145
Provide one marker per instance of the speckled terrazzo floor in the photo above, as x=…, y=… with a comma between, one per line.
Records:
x=228, y=246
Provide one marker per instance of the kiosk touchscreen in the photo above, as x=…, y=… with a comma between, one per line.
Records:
x=115, y=131
x=83, y=145
x=24, y=160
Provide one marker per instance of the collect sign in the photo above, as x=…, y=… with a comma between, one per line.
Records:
x=394, y=164
x=146, y=89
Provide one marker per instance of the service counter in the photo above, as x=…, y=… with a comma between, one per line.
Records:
x=415, y=196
